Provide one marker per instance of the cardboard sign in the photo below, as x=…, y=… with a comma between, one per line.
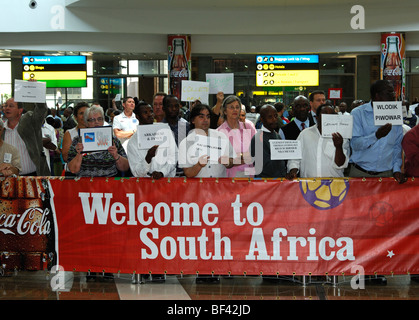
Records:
x=252, y=117
x=195, y=90
x=335, y=93
x=332, y=123
x=285, y=149
x=150, y=135
x=30, y=91
x=96, y=139
x=223, y=82
x=388, y=112
x=210, y=146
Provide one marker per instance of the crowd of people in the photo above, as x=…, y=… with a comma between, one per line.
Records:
x=36, y=141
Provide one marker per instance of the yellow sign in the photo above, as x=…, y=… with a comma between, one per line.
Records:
x=277, y=78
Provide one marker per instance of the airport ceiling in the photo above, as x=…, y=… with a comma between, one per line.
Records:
x=210, y=23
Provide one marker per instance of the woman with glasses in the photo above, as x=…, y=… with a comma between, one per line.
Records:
x=96, y=164
x=240, y=135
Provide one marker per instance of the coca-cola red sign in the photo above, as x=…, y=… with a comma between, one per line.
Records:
x=393, y=62
x=26, y=224
x=179, y=62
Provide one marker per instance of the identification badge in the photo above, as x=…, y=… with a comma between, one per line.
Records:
x=7, y=158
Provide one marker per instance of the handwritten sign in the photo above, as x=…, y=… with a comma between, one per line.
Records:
x=332, y=123
x=285, y=149
x=388, y=112
x=30, y=91
x=195, y=90
x=150, y=135
x=335, y=93
x=96, y=139
x=210, y=146
x=223, y=82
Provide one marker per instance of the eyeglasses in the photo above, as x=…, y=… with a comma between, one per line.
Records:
x=91, y=120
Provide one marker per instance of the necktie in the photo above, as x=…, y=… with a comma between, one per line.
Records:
x=303, y=126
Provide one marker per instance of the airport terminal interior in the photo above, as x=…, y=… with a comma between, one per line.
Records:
x=126, y=48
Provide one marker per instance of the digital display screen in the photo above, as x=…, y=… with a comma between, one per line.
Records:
x=287, y=70
x=56, y=71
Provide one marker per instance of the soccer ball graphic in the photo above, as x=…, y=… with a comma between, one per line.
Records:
x=324, y=194
x=382, y=213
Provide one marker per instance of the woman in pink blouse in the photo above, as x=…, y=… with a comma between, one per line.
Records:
x=240, y=135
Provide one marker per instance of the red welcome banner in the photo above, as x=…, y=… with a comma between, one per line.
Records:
x=224, y=226
x=220, y=226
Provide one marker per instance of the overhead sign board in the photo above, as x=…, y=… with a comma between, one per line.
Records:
x=56, y=71
x=287, y=70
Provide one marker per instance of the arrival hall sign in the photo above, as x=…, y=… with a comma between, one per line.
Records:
x=287, y=70
x=225, y=226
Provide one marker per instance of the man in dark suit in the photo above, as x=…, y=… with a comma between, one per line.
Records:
x=317, y=98
x=301, y=109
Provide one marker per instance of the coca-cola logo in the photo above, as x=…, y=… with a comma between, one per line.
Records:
x=28, y=222
x=392, y=72
x=179, y=73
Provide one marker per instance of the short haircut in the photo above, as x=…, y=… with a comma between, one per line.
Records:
x=126, y=98
x=159, y=94
x=321, y=107
x=311, y=96
x=79, y=106
x=138, y=107
x=279, y=106
x=379, y=86
x=167, y=98
x=196, y=111
x=91, y=110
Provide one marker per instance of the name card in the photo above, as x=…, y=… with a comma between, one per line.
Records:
x=150, y=135
x=195, y=90
x=388, y=112
x=30, y=91
x=96, y=139
x=209, y=146
x=332, y=123
x=223, y=82
x=285, y=149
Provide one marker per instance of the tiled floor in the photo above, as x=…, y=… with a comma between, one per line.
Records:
x=39, y=285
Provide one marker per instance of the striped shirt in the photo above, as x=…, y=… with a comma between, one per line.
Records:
x=12, y=137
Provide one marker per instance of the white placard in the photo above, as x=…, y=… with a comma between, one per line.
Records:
x=195, y=90
x=150, y=135
x=388, y=112
x=223, y=82
x=335, y=94
x=252, y=117
x=332, y=123
x=209, y=146
x=285, y=149
x=96, y=139
x=30, y=91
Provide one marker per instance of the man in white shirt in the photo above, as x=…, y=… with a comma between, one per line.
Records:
x=158, y=161
x=199, y=165
x=24, y=132
x=321, y=157
x=49, y=141
x=125, y=124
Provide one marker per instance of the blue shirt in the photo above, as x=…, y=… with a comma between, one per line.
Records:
x=370, y=153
